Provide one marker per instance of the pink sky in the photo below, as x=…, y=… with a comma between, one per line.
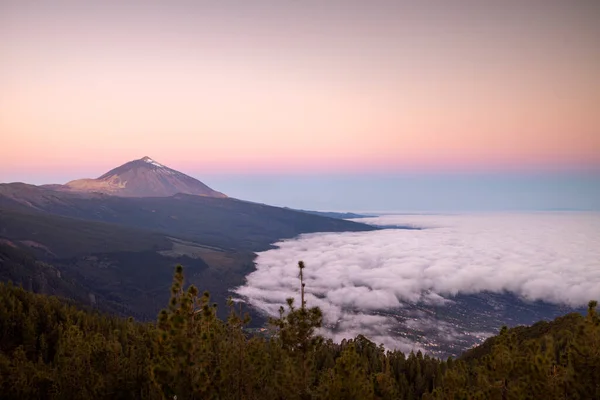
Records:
x=294, y=86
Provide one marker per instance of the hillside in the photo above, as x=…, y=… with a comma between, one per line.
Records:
x=55, y=236
x=123, y=249
x=220, y=222
x=124, y=270
x=21, y=268
x=50, y=349
x=523, y=334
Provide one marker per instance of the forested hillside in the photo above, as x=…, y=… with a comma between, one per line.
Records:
x=50, y=349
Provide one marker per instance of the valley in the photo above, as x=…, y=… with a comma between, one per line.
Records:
x=121, y=251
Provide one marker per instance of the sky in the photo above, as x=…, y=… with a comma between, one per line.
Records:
x=419, y=192
x=238, y=90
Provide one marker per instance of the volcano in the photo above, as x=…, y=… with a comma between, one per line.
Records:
x=142, y=178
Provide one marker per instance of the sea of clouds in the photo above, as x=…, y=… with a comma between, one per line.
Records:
x=356, y=278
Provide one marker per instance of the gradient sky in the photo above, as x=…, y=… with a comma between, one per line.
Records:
x=298, y=86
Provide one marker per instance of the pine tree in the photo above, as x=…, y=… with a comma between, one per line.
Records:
x=348, y=380
x=50, y=349
x=584, y=356
x=296, y=331
x=188, y=365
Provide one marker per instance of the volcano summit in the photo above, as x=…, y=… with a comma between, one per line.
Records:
x=142, y=178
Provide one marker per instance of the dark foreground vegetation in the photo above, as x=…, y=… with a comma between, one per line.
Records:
x=49, y=349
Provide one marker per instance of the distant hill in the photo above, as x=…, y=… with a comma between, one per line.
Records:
x=524, y=334
x=338, y=215
x=141, y=178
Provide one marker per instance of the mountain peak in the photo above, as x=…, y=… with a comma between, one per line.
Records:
x=144, y=177
x=148, y=160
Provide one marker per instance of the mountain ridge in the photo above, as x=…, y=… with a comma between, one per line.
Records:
x=143, y=177
x=122, y=249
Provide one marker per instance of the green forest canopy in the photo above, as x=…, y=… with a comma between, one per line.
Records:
x=50, y=349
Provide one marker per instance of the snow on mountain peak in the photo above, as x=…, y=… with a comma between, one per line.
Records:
x=151, y=161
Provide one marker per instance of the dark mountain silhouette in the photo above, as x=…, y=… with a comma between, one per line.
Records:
x=141, y=178
x=120, y=250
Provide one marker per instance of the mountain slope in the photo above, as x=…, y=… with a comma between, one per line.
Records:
x=220, y=222
x=120, y=235
x=123, y=248
x=118, y=269
x=54, y=236
x=142, y=178
x=23, y=269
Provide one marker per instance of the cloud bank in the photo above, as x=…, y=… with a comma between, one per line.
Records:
x=356, y=278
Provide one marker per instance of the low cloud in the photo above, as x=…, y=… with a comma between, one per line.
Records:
x=358, y=279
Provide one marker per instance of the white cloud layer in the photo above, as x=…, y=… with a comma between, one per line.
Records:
x=553, y=257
